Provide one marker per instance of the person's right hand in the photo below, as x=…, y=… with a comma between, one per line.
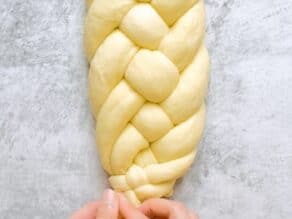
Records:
x=155, y=208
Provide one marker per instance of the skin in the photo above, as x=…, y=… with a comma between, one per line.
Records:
x=116, y=206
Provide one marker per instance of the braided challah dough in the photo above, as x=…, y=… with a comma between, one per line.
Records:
x=147, y=82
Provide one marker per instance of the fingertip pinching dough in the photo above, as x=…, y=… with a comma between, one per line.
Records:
x=147, y=82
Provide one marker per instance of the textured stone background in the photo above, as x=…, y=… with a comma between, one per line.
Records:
x=48, y=162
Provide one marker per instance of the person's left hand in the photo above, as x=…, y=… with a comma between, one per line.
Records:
x=107, y=207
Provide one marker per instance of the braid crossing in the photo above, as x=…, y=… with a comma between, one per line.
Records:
x=147, y=82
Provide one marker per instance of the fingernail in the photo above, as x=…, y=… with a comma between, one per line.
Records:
x=109, y=198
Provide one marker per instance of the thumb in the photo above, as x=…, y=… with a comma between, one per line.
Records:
x=129, y=211
x=109, y=207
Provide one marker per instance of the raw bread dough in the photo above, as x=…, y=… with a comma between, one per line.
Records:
x=147, y=82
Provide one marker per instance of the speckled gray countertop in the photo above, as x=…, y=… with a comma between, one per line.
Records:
x=48, y=162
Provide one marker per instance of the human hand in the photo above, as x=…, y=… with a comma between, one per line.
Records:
x=112, y=204
x=166, y=209
x=155, y=209
x=106, y=208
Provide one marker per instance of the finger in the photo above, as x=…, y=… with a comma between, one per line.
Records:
x=193, y=215
x=156, y=207
x=109, y=207
x=163, y=208
x=128, y=211
x=87, y=212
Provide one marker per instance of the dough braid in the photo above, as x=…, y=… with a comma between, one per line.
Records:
x=147, y=82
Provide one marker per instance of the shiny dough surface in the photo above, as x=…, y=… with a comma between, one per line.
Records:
x=148, y=79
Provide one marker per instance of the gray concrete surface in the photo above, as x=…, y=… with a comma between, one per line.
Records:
x=48, y=162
